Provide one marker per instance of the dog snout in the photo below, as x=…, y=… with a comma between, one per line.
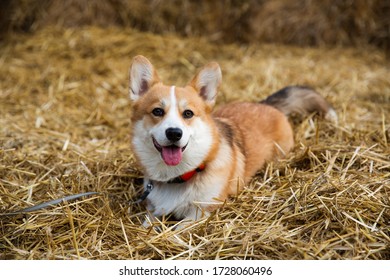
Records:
x=174, y=134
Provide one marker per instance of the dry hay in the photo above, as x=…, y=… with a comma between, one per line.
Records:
x=64, y=129
x=302, y=22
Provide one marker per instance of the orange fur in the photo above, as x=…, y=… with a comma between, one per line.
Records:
x=262, y=128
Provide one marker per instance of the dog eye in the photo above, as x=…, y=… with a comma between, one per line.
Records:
x=158, y=112
x=188, y=114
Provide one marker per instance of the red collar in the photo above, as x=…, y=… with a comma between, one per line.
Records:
x=187, y=176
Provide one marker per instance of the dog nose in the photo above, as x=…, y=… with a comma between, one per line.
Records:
x=174, y=134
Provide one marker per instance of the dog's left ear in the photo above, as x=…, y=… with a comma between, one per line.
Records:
x=207, y=81
x=142, y=77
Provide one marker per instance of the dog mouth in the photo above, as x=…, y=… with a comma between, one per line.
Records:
x=172, y=154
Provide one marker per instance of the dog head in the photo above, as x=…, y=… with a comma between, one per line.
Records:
x=172, y=128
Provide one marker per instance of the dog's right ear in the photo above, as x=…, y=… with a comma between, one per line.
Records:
x=142, y=77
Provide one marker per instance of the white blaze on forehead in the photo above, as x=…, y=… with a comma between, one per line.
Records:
x=173, y=97
x=173, y=119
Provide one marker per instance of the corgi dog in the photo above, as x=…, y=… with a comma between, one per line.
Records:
x=192, y=157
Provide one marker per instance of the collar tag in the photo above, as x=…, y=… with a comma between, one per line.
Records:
x=149, y=188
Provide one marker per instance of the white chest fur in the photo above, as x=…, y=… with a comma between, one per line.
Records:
x=184, y=200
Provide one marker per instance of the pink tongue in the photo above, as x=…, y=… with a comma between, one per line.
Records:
x=171, y=155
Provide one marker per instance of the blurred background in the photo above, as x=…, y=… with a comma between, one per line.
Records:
x=300, y=22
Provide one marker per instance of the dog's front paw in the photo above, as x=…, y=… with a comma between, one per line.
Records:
x=147, y=224
x=150, y=219
x=182, y=225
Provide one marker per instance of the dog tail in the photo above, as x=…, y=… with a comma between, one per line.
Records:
x=301, y=100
